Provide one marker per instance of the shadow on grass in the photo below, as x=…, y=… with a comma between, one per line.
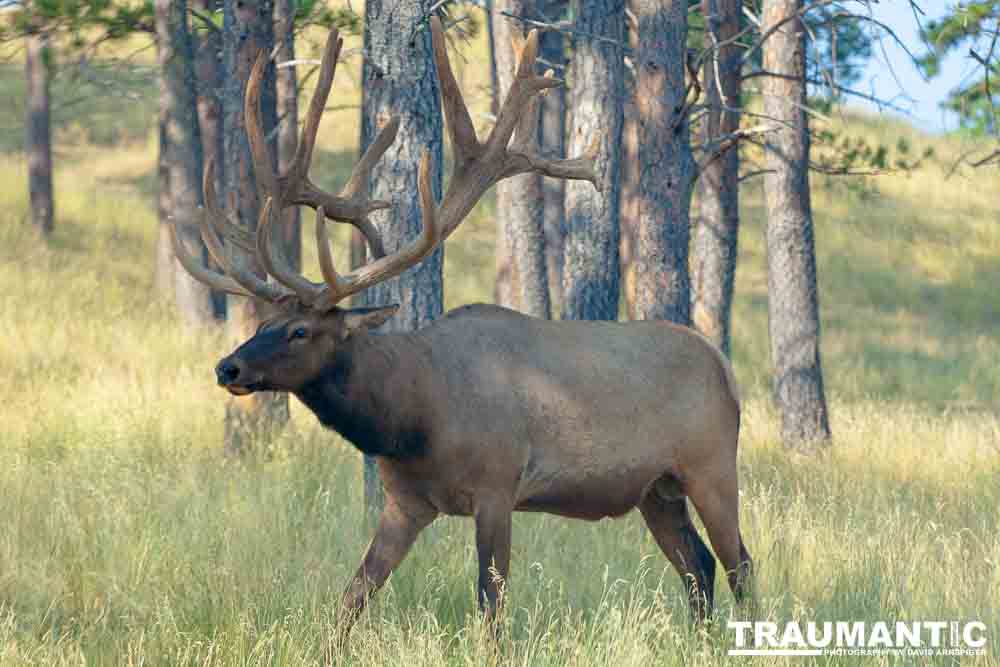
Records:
x=897, y=330
x=865, y=282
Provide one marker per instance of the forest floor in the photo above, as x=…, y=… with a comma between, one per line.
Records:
x=127, y=538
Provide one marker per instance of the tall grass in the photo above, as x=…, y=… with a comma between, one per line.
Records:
x=128, y=539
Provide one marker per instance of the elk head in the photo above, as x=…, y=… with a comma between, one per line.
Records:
x=296, y=345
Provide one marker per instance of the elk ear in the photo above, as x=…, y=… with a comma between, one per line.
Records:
x=367, y=318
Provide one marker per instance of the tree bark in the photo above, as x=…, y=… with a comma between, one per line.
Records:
x=793, y=303
x=553, y=142
x=183, y=150
x=591, y=267
x=164, y=276
x=630, y=176
x=504, y=292
x=629, y=203
x=520, y=199
x=208, y=75
x=38, y=139
x=715, y=241
x=248, y=27
x=667, y=169
x=492, y=46
x=399, y=79
x=288, y=121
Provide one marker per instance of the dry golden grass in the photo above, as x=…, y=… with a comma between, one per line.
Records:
x=127, y=539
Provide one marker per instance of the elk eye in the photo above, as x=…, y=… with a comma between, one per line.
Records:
x=299, y=332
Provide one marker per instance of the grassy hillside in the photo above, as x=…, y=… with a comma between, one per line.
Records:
x=128, y=539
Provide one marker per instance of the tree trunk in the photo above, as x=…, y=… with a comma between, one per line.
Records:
x=591, y=268
x=164, y=276
x=630, y=176
x=505, y=291
x=666, y=168
x=288, y=121
x=38, y=139
x=248, y=27
x=183, y=150
x=553, y=142
x=503, y=283
x=399, y=79
x=714, y=261
x=208, y=74
x=629, y=202
x=520, y=199
x=492, y=46
x=793, y=303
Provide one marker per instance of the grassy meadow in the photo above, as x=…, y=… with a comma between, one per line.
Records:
x=127, y=538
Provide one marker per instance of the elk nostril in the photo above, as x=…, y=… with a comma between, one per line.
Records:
x=227, y=372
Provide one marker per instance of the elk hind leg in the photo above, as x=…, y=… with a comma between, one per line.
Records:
x=716, y=497
x=667, y=517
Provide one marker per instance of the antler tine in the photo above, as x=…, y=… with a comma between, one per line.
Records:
x=217, y=217
x=524, y=106
x=336, y=289
x=526, y=134
x=340, y=287
x=263, y=170
x=525, y=87
x=357, y=184
x=307, y=141
x=212, y=242
x=577, y=169
x=294, y=187
x=246, y=278
x=432, y=230
x=239, y=281
x=194, y=267
x=288, y=189
x=464, y=143
x=477, y=167
x=480, y=166
x=275, y=264
x=527, y=53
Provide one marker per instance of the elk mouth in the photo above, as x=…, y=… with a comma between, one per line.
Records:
x=242, y=389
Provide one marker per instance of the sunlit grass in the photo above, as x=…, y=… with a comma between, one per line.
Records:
x=127, y=538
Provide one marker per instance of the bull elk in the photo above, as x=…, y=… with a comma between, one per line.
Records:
x=486, y=411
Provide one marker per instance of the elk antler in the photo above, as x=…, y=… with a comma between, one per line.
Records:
x=290, y=188
x=293, y=187
x=478, y=166
x=510, y=149
x=340, y=287
x=239, y=281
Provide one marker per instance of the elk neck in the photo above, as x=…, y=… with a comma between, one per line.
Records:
x=366, y=394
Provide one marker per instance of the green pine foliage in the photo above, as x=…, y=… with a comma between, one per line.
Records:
x=971, y=26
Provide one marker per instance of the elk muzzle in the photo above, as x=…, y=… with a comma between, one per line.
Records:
x=231, y=374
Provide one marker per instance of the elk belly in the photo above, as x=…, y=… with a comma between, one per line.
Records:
x=589, y=494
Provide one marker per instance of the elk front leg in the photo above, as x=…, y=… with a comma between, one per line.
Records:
x=396, y=532
x=493, y=527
